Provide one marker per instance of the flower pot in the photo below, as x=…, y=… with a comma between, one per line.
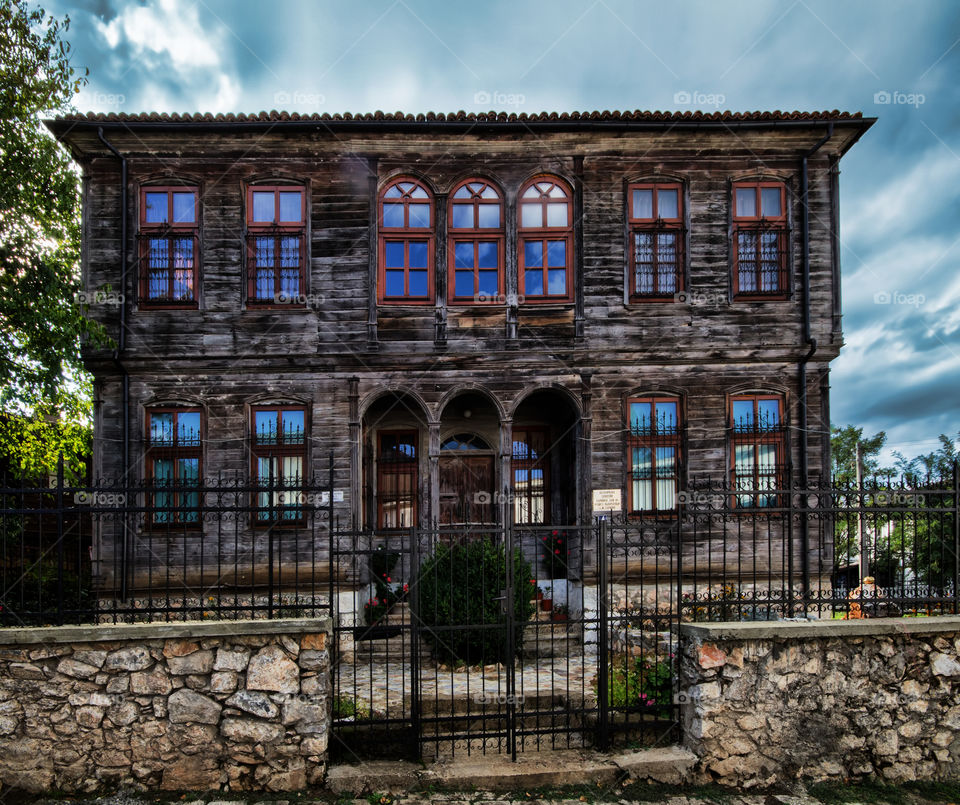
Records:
x=559, y=616
x=546, y=604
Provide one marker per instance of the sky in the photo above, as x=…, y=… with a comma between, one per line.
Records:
x=899, y=61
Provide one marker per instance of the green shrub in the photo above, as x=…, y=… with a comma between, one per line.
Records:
x=640, y=682
x=457, y=591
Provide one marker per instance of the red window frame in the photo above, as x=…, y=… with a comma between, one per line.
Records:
x=283, y=496
x=761, y=276
x=286, y=291
x=545, y=234
x=533, y=437
x=477, y=192
x=168, y=232
x=755, y=437
x=663, y=284
x=179, y=510
x=397, y=467
x=657, y=436
x=406, y=235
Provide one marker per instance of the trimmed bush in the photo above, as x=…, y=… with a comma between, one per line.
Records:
x=456, y=602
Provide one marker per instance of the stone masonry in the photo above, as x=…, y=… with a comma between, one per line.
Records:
x=230, y=705
x=766, y=703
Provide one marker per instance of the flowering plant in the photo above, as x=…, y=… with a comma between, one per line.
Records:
x=556, y=553
x=375, y=610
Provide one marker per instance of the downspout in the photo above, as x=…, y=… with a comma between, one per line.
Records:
x=118, y=353
x=811, y=344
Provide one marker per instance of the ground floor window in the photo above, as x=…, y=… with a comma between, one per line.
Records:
x=653, y=453
x=530, y=470
x=396, y=479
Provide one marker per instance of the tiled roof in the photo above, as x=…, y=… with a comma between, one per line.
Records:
x=465, y=117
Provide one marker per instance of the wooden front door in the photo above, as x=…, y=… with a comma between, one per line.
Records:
x=466, y=489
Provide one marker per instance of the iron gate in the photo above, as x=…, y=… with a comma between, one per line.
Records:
x=502, y=640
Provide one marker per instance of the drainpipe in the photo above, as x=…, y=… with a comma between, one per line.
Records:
x=118, y=353
x=811, y=343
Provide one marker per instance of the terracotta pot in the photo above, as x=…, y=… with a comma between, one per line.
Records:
x=546, y=604
x=559, y=616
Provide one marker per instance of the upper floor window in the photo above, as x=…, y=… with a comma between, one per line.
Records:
x=174, y=439
x=760, y=240
x=476, y=244
x=169, y=227
x=276, y=245
x=406, y=243
x=279, y=458
x=654, y=453
x=656, y=240
x=545, y=240
x=759, y=448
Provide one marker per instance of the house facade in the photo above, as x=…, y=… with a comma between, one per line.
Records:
x=472, y=319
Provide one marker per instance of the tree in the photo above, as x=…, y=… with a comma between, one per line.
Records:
x=843, y=453
x=44, y=390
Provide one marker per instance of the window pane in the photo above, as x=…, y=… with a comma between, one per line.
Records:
x=292, y=423
x=533, y=254
x=291, y=207
x=183, y=253
x=533, y=282
x=418, y=192
x=463, y=192
x=769, y=413
x=531, y=192
x=188, y=427
x=667, y=418
x=417, y=254
x=265, y=426
x=557, y=214
x=393, y=215
x=643, y=203
x=640, y=418
x=463, y=283
x=746, y=202
x=557, y=282
x=155, y=211
x=770, y=201
x=393, y=192
x=463, y=256
x=419, y=215
x=394, y=283
x=489, y=215
x=418, y=283
x=183, y=285
x=393, y=251
x=531, y=215
x=462, y=216
x=743, y=458
x=557, y=254
x=487, y=255
x=767, y=461
x=184, y=211
x=743, y=414
x=488, y=283
x=667, y=203
x=161, y=429
x=263, y=206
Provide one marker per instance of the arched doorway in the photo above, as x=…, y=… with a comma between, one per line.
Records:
x=467, y=471
x=543, y=463
x=394, y=439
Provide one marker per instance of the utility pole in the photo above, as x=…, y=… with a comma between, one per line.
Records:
x=861, y=536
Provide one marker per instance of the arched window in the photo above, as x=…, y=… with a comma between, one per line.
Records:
x=546, y=240
x=476, y=244
x=406, y=243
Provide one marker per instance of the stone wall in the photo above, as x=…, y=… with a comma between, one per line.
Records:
x=228, y=705
x=764, y=703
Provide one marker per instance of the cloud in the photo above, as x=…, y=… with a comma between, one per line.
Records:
x=170, y=32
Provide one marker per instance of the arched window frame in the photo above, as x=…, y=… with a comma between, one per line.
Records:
x=406, y=235
x=531, y=233
x=480, y=196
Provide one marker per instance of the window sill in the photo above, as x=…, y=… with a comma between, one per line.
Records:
x=145, y=306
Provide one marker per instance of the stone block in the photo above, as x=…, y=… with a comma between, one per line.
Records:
x=187, y=706
x=199, y=662
x=271, y=669
x=133, y=658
